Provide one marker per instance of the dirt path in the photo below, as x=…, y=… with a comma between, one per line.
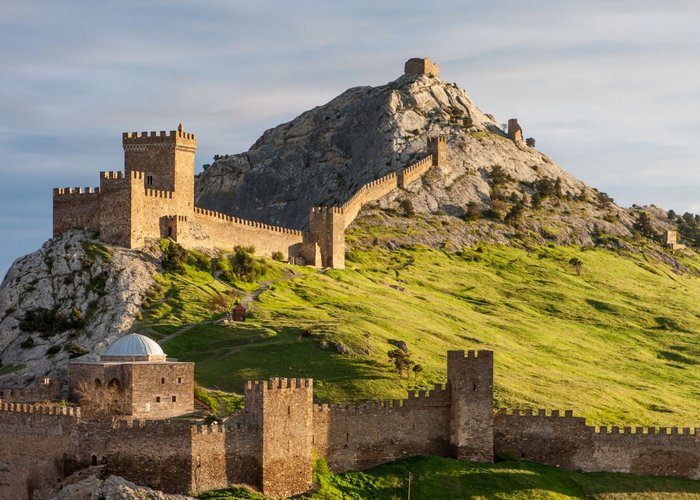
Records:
x=186, y=329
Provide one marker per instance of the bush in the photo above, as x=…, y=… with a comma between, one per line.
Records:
x=28, y=343
x=50, y=321
x=54, y=349
x=245, y=266
x=407, y=207
x=200, y=260
x=174, y=257
x=473, y=211
x=643, y=226
x=278, y=256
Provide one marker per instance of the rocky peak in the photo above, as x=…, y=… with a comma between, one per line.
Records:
x=325, y=154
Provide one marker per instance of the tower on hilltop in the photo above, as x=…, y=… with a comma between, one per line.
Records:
x=166, y=160
x=421, y=66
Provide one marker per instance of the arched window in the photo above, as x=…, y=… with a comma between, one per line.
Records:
x=115, y=384
x=98, y=383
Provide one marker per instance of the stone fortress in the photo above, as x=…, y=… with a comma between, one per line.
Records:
x=154, y=198
x=153, y=439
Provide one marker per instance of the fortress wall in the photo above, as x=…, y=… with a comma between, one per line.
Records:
x=216, y=230
x=414, y=171
x=76, y=208
x=152, y=206
x=359, y=436
x=157, y=454
x=371, y=191
x=552, y=439
x=33, y=443
x=244, y=446
x=41, y=392
x=115, y=208
x=208, y=458
x=652, y=451
x=567, y=442
x=164, y=381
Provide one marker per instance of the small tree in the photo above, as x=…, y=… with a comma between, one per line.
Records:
x=643, y=226
x=98, y=401
x=577, y=264
x=401, y=360
x=473, y=211
x=530, y=142
x=417, y=370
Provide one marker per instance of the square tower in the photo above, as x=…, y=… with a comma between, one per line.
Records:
x=470, y=380
x=437, y=146
x=166, y=160
x=421, y=66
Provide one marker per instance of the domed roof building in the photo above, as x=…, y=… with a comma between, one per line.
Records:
x=146, y=384
x=134, y=347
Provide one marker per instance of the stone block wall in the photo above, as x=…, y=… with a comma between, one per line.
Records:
x=359, y=436
x=566, y=441
x=76, y=208
x=421, y=66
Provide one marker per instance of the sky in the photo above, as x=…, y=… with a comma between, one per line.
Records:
x=610, y=90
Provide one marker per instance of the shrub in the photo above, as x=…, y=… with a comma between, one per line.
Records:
x=28, y=343
x=473, y=211
x=54, y=349
x=278, y=256
x=530, y=141
x=244, y=266
x=174, y=257
x=643, y=226
x=407, y=207
x=50, y=321
x=200, y=260
x=577, y=264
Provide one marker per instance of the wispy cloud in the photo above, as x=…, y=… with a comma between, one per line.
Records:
x=611, y=90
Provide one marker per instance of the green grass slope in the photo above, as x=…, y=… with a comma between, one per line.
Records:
x=435, y=478
x=617, y=343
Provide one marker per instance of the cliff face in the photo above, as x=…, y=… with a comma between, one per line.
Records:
x=72, y=295
x=323, y=156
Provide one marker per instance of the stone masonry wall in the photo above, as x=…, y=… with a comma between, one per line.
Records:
x=76, y=207
x=33, y=442
x=566, y=441
x=217, y=230
x=359, y=436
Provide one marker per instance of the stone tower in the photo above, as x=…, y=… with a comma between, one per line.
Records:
x=515, y=133
x=437, y=146
x=166, y=160
x=421, y=66
x=327, y=225
x=470, y=380
x=283, y=411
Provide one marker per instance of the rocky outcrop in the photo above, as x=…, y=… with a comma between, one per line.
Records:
x=72, y=296
x=324, y=155
x=112, y=488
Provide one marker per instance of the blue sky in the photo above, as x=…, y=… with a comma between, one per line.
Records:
x=610, y=90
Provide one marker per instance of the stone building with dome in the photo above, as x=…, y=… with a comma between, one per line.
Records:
x=146, y=383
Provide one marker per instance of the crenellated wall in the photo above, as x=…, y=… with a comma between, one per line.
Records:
x=269, y=444
x=154, y=198
x=563, y=440
x=358, y=436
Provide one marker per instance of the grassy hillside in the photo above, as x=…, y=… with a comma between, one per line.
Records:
x=437, y=478
x=617, y=343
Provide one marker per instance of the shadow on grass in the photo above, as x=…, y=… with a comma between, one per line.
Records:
x=444, y=478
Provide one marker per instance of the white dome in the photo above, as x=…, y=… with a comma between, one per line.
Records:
x=134, y=346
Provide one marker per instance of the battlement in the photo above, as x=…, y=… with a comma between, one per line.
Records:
x=278, y=384
x=63, y=411
x=244, y=222
x=158, y=193
x=69, y=191
x=428, y=160
x=471, y=355
x=208, y=429
x=648, y=431
x=327, y=210
x=439, y=396
x=179, y=218
x=528, y=412
x=112, y=175
x=162, y=137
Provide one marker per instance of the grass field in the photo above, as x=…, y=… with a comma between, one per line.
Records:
x=617, y=343
x=434, y=478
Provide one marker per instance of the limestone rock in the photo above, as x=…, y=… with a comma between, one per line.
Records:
x=323, y=156
x=112, y=488
x=69, y=275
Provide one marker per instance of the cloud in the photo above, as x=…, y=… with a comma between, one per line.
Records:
x=611, y=90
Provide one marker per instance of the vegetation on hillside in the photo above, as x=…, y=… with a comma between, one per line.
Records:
x=611, y=336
